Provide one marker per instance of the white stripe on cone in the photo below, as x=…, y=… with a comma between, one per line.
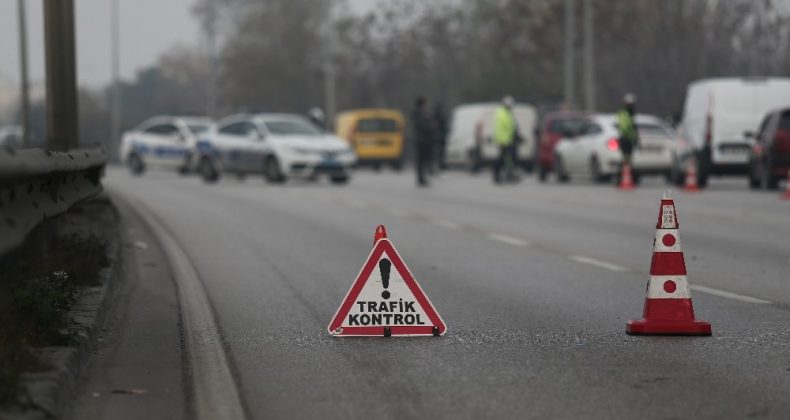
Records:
x=667, y=240
x=668, y=287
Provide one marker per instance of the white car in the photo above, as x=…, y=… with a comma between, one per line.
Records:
x=278, y=146
x=594, y=153
x=11, y=136
x=470, y=140
x=163, y=142
x=717, y=113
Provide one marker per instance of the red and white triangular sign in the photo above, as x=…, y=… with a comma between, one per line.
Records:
x=385, y=300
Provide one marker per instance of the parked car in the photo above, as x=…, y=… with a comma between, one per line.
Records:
x=11, y=136
x=376, y=135
x=278, y=146
x=555, y=125
x=769, y=159
x=470, y=142
x=163, y=142
x=716, y=114
x=595, y=151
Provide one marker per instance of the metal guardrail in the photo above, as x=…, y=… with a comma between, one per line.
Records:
x=36, y=184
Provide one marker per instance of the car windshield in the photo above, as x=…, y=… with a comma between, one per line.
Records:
x=292, y=128
x=568, y=125
x=198, y=128
x=377, y=125
x=653, y=130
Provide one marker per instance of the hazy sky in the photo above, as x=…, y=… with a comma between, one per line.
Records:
x=148, y=28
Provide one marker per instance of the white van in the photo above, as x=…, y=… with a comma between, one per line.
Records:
x=716, y=115
x=470, y=140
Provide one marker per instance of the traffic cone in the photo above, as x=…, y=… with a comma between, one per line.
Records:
x=626, y=178
x=786, y=195
x=691, y=177
x=668, y=308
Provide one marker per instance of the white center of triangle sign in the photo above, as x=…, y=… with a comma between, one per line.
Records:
x=385, y=299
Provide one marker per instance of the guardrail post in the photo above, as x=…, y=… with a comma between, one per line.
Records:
x=62, y=111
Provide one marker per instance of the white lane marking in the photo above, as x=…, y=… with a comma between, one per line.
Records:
x=729, y=295
x=598, y=263
x=507, y=239
x=446, y=224
x=396, y=212
x=215, y=393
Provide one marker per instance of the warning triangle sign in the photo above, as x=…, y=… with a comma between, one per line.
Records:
x=385, y=299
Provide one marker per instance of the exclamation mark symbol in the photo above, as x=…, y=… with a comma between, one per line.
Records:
x=384, y=268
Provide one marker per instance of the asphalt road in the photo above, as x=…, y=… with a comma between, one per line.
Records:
x=535, y=283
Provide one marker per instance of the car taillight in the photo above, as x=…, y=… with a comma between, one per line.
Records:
x=708, y=129
x=613, y=144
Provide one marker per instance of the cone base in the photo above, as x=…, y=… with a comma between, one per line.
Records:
x=626, y=187
x=691, y=189
x=662, y=327
x=786, y=197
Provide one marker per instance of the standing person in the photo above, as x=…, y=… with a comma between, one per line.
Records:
x=440, y=119
x=629, y=136
x=423, y=139
x=505, y=131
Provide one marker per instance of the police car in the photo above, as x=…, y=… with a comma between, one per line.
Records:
x=163, y=142
x=278, y=146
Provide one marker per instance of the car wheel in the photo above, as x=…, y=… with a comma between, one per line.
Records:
x=272, y=172
x=768, y=181
x=755, y=181
x=562, y=174
x=397, y=165
x=208, y=172
x=136, y=166
x=339, y=179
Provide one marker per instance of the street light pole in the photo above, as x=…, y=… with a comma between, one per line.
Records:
x=570, y=54
x=61, y=68
x=115, y=124
x=24, y=82
x=589, y=57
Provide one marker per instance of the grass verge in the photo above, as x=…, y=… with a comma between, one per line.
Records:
x=39, y=283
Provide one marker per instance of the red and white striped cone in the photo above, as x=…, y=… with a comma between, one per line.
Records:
x=786, y=195
x=626, y=178
x=691, y=177
x=668, y=308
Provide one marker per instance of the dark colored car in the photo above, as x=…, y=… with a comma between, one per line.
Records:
x=556, y=125
x=769, y=159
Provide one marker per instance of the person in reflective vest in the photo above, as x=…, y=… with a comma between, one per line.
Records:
x=629, y=136
x=505, y=133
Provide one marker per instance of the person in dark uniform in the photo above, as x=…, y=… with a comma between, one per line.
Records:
x=424, y=136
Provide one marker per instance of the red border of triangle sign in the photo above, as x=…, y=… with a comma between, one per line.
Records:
x=433, y=326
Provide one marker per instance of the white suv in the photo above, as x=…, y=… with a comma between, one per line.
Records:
x=275, y=145
x=163, y=142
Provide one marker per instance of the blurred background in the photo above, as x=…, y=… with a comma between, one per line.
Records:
x=217, y=57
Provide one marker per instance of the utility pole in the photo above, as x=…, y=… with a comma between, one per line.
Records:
x=589, y=57
x=211, y=38
x=330, y=93
x=570, y=55
x=115, y=124
x=62, y=123
x=24, y=82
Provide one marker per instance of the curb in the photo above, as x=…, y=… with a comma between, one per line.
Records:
x=50, y=392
